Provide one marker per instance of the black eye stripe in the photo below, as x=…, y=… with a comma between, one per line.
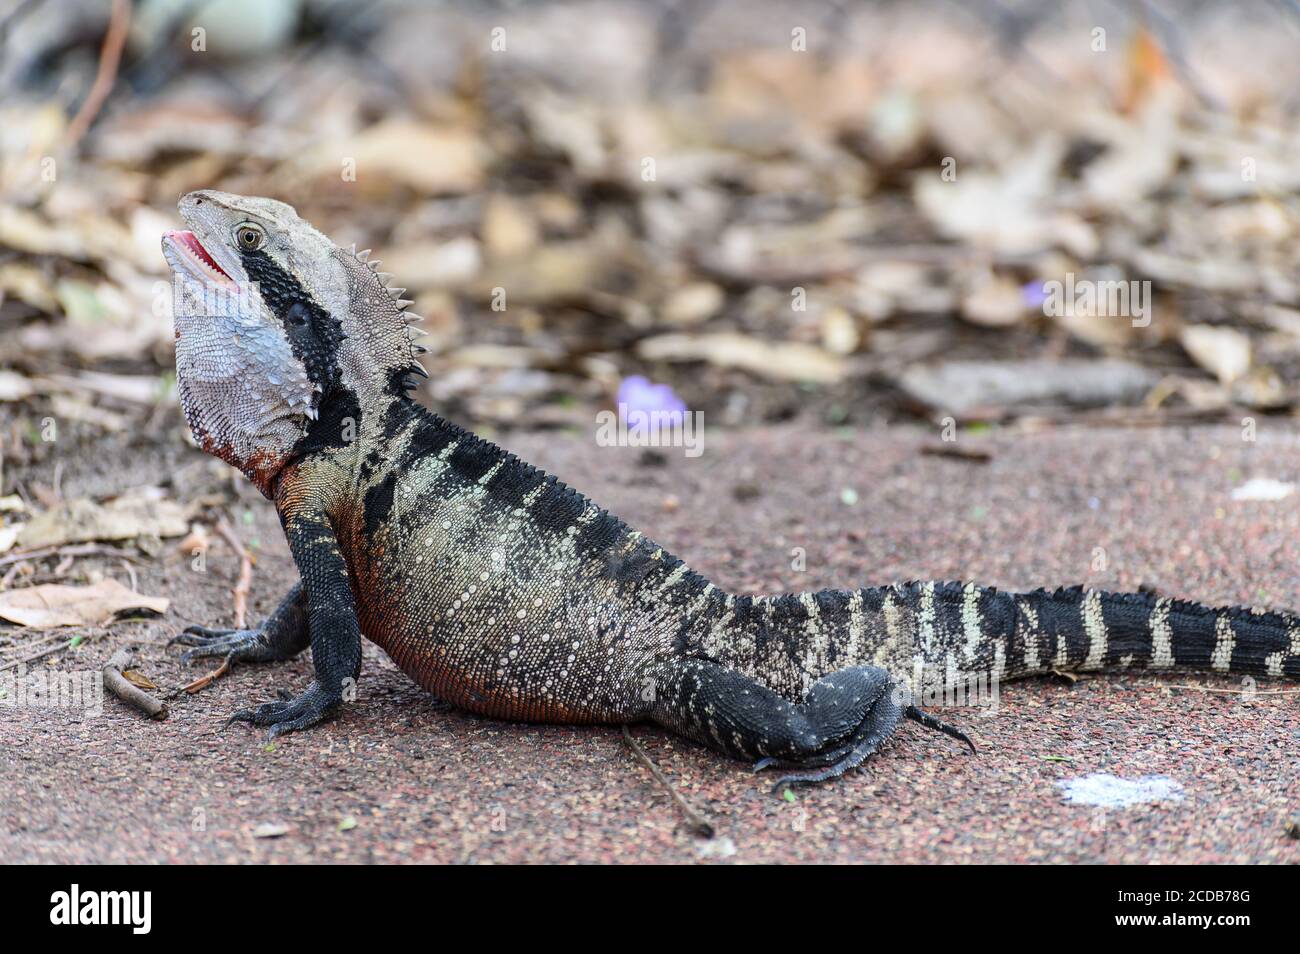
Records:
x=313, y=333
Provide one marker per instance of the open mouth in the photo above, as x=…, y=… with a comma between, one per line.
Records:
x=195, y=257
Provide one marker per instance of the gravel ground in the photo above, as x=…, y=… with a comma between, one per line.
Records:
x=399, y=778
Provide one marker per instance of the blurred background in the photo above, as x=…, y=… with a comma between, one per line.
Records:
x=839, y=215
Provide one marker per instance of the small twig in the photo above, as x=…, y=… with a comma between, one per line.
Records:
x=58, y=647
x=127, y=691
x=76, y=550
x=30, y=644
x=110, y=55
x=1229, y=692
x=694, y=820
x=205, y=680
x=130, y=571
x=977, y=454
x=245, y=582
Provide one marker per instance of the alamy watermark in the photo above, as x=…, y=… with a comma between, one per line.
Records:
x=1102, y=298
x=950, y=688
x=190, y=298
x=133, y=909
x=53, y=689
x=637, y=427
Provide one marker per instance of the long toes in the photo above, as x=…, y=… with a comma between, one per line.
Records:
x=288, y=716
x=198, y=635
x=817, y=759
x=186, y=638
x=293, y=725
x=243, y=715
x=851, y=758
x=840, y=755
x=840, y=760
x=265, y=714
x=240, y=645
x=268, y=713
x=932, y=722
x=209, y=630
x=202, y=652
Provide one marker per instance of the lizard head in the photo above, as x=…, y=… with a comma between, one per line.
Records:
x=280, y=333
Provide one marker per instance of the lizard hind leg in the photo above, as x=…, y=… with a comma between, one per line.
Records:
x=844, y=717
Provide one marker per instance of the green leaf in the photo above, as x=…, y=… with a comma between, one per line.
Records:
x=788, y=795
x=1056, y=758
x=347, y=823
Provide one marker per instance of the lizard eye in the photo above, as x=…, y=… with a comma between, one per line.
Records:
x=249, y=237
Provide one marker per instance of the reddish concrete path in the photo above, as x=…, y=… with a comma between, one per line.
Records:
x=398, y=779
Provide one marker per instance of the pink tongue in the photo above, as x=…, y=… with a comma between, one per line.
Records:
x=190, y=241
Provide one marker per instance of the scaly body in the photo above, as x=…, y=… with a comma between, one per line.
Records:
x=507, y=593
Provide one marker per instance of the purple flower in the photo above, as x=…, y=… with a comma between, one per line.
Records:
x=1034, y=294
x=638, y=394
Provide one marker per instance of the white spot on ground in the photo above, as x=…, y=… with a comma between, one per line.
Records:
x=722, y=847
x=1263, y=488
x=1111, y=791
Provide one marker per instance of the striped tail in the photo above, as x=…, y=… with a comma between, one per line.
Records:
x=1079, y=629
x=790, y=642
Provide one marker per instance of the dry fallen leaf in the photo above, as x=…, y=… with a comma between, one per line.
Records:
x=692, y=303
x=839, y=332
x=126, y=518
x=137, y=679
x=14, y=386
x=994, y=301
x=197, y=541
x=1224, y=352
x=429, y=159
x=782, y=360
x=58, y=604
x=508, y=228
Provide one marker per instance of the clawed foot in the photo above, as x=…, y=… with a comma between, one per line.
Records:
x=877, y=725
x=289, y=715
x=235, y=645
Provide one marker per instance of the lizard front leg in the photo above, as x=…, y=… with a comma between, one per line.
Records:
x=333, y=631
x=281, y=636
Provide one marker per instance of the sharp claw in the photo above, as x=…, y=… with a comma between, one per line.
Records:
x=243, y=715
x=931, y=722
x=281, y=728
